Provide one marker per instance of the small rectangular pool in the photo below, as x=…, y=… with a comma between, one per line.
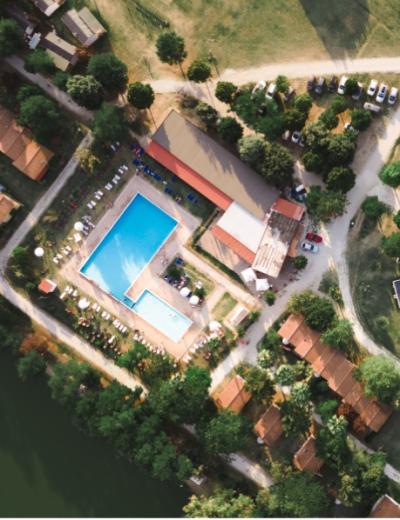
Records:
x=129, y=246
x=161, y=315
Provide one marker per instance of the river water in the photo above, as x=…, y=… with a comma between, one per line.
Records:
x=49, y=468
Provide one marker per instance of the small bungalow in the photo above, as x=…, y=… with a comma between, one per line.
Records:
x=7, y=206
x=233, y=395
x=385, y=507
x=63, y=53
x=84, y=26
x=47, y=286
x=48, y=7
x=306, y=459
x=269, y=427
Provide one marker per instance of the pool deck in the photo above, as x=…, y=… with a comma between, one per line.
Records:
x=150, y=278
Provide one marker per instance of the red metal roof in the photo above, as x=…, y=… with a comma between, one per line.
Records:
x=289, y=209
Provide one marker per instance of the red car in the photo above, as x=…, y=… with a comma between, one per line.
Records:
x=313, y=237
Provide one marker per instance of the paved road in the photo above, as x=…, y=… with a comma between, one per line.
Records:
x=80, y=113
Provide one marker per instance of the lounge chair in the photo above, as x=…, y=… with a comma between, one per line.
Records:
x=117, y=177
x=115, y=181
x=92, y=202
x=125, y=167
x=157, y=177
x=55, y=260
x=169, y=191
x=89, y=205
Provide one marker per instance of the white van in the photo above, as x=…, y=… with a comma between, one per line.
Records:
x=372, y=107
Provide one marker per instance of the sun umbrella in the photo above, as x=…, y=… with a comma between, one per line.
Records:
x=248, y=275
x=83, y=304
x=78, y=226
x=39, y=252
x=185, y=291
x=262, y=284
x=214, y=326
x=194, y=300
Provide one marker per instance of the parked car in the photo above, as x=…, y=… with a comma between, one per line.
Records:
x=373, y=85
x=299, y=193
x=333, y=84
x=311, y=248
x=260, y=87
x=380, y=97
x=313, y=237
x=348, y=126
x=372, y=107
x=356, y=96
x=311, y=83
x=296, y=136
x=271, y=91
x=394, y=92
x=342, y=85
x=319, y=86
x=289, y=93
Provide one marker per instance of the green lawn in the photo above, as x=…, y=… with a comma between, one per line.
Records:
x=388, y=439
x=224, y=306
x=371, y=275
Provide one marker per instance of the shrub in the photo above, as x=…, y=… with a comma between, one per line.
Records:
x=300, y=262
x=390, y=174
x=270, y=297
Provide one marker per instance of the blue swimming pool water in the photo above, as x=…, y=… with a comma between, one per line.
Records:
x=161, y=315
x=128, y=246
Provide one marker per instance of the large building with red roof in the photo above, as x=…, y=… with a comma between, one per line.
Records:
x=256, y=224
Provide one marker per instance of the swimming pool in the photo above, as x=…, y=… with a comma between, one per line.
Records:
x=129, y=246
x=161, y=315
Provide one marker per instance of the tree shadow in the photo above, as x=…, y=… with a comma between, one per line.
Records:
x=342, y=26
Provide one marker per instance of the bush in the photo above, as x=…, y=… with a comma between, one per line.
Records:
x=380, y=377
x=225, y=91
x=207, y=114
x=30, y=365
x=39, y=61
x=300, y=262
x=277, y=167
x=390, y=174
x=251, y=149
x=270, y=297
x=27, y=91
x=361, y=118
x=329, y=119
x=303, y=102
x=313, y=162
x=60, y=79
x=391, y=245
x=373, y=208
x=230, y=130
x=85, y=90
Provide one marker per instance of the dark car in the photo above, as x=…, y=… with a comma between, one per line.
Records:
x=319, y=86
x=333, y=84
x=314, y=237
x=311, y=84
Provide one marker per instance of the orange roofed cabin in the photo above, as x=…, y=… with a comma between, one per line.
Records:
x=306, y=459
x=269, y=426
x=385, y=507
x=233, y=395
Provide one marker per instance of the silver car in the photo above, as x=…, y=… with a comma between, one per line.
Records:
x=309, y=247
x=380, y=97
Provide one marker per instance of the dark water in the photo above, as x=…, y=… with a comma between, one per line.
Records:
x=49, y=468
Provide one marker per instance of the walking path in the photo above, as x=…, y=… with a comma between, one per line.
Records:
x=80, y=113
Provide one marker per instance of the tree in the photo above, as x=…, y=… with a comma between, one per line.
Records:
x=251, y=149
x=39, y=61
x=285, y=375
x=303, y=102
x=207, y=114
x=340, y=336
x=108, y=123
x=316, y=137
x=396, y=219
x=230, y=130
x=270, y=297
x=271, y=126
x=260, y=385
x=30, y=365
x=318, y=312
x=339, y=104
x=277, y=167
x=140, y=95
x=282, y=84
x=331, y=442
x=170, y=48
x=10, y=37
x=373, y=208
x=27, y=91
x=110, y=71
x=85, y=90
x=325, y=205
x=199, y=71
x=224, y=434
x=313, y=162
x=60, y=79
x=297, y=495
x=329, y=119
x=300, y=262
x=41, y=116
x=361, y=118
x=380, y=378
x=297, y=411
x=326, y=409
x=295, y=119
x=341, y=149
x=223, y=503
x=340, y=179
x=225, y=91
x=390, y=174
x=391, y=245
x=351, y=86
x=88, y=161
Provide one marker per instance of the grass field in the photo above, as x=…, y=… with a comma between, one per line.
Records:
x=224, y=306
x=242, y=33
x=371, y=275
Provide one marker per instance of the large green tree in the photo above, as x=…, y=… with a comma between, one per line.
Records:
x=260, y=384
x=331, y=441
x=313, y=162
x=251, y=149
x=391, y=245
x=140, y=95
x=30, y=365
x=297, y=411
x=361, y=118
x=329, y=119
x=339, y=336
x=108, y=123
x=282, y=84
x=325, y=205
x=277, y=166
x=271, y=126
x=10, y=37
x=339, y=104
x=207, y=114
x=39, y=61
x=199, y=71
x=380, y=378
x=295, y=119
x=41, y=116
x=223, y=503
x=373, y=208
x=318, y=312
x=170, y=48
x=85, y=90
x=225, y=91
x=225, y=433
x=110, y=71
x=340, y=179
x=341, y=148
x=230, y=130
x=390, y=174
x=303, y=102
